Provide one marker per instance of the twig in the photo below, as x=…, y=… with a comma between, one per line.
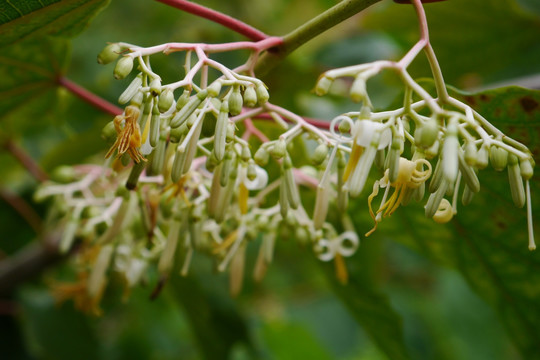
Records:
x=29, y=164
x=236, y=25
x=89, y=97
x=23, y=208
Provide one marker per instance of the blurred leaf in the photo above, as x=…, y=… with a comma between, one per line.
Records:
x=56, y=332
x=362, y=296
x=26, y=19
x=293, y=341
x=468, y=35
x=487, y=240
x=216, y=323
x=29, y=72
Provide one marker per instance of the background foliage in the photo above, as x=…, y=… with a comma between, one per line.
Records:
x=466, y=290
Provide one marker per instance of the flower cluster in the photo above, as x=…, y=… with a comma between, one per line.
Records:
x=190, y=170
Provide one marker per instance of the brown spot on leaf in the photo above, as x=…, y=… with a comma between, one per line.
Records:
x=470, y=100
x=485, y=98
x=528, y=104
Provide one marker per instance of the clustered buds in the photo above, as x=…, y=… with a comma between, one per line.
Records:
x=189, y=173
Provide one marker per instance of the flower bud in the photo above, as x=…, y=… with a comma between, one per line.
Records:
x=110, y=53
x=467, y=195
x=279, y=149
x=526, y=168
x=426, y=134
x=155, y=87
x=166, y=100
x=450, y=153
x=123, y=67
x=319, y=155
x=188, y=108
x=245, y=155
x=470, y=153
x=323, y=85
x=108, y=133
x=468, y=173
x=482, y=158
x=131, y=90
x=358, y=89
x=182, y=100
x=516, y=182
x=498, y=158
x=250, y=96
x=220, y=134
x=235, y=101
x=344, y=127
x=214, y=89
x=262, y=93
x=155, y=124
x=231, y=128
x=251, y=171
x=261, y=157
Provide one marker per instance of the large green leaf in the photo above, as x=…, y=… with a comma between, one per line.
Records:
x=29, y=71
x=487, y=240
x=476, y=41
x=26, y=19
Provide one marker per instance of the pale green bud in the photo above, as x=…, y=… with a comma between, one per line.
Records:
x=166, y=100
x=279, y=149
x=319, y=154
x=467, y=195
x=214, y=89
x=323, y=86
x=261, y=157
x=482, y=158
x=426, y=134
x=123, y=67
x=245, y=155
x=110, y=53
x=471, y=153
x=262, y=93
x=250, y=96
x=108, y=133
x=498, y=157
x=516, y=182
x=344, y=126
x=526, y=167
x=131, y=90
x=251, y=171
x=358, y=89
x=182, y=100
x=235, y=101
x=155, y=123
x=155, y=87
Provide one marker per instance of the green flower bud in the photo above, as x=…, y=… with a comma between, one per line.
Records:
x=109, y=132
x=165, y=100
x=131, y=90
x=279, y=149
x=516, y=181
x=323, y=86
x=426, y=134
x=344, y=127
x=235, y=101
x=63, y=174
x=137, y=99
x=245, y=154
x=231, y=127
x=261, y=157
x=182, y=100
x=123, y=67
x=262, y=93
x=155, y=87
x=319, y=154
x=250, y=96
x=470, y=153
x=498, y=157
x=482, y=158
x=214, y=89
x=358, y=89
x=526, y=169
x=155, y=124
x=467, y=195
x=110, y=53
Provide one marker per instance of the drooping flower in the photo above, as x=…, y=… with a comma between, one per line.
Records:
x=129, y=136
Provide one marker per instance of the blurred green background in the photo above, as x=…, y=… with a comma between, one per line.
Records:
x=465, y=290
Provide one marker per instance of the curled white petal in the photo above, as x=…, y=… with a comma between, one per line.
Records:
x=259, y=182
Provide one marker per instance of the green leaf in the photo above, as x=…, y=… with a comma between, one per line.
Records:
x=27, y=19
x=28, y=71
x=476, y=41
x=218, y=326
x=487, y=240
x=363, y=297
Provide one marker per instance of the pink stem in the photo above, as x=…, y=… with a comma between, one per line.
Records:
x=215, y=16
x=89, y=97
x=29, y=164
x=251, y=129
